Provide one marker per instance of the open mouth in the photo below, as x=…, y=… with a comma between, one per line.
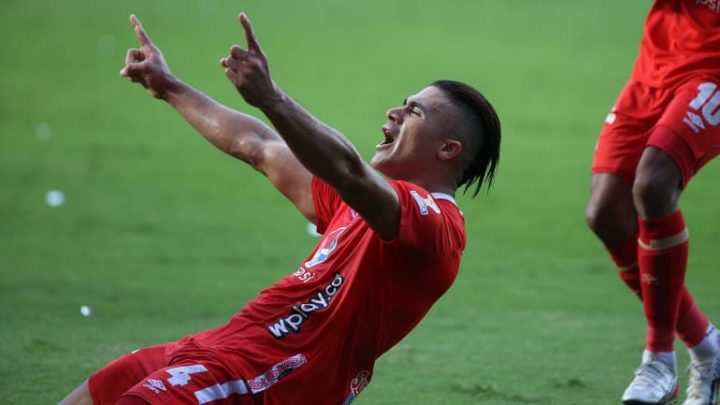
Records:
x=389, y=137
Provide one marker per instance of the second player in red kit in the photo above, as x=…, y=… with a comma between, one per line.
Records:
x=390, y=248
x=663, y=129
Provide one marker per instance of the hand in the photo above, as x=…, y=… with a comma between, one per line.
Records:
x=147, y=65
x=248, y=70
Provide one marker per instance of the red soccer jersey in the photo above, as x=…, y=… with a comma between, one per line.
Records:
x=681, y=39
x=314, y=336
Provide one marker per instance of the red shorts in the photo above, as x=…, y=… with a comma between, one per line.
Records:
x=148, y=374
x=683, y=121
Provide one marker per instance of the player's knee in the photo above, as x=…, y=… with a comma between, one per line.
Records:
x=654, y=191
x=593, y=217
x=609, y=221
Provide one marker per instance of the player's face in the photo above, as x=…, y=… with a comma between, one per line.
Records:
x=413, y=135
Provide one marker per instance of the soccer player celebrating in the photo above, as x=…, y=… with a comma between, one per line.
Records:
x=390, y=248
x=662, y=130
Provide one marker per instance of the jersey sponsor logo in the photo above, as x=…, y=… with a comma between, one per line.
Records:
x=707, y=105
x=711, y=4
x=327, y=245
x=300, y=313
x=425, y=203
x=154, y=385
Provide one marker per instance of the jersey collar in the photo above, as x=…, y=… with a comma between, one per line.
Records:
x=443, y=196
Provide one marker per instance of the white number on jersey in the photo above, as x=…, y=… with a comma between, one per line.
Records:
x=181, y=375
x=709, y=100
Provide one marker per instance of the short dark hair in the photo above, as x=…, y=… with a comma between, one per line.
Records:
x=485, y=163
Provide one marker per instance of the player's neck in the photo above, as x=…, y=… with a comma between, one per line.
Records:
x=435, y=185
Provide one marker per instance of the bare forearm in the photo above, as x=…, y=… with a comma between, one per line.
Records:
x=322, y=150
x=230, y=131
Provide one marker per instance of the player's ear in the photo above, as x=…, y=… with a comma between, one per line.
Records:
x=450, y=149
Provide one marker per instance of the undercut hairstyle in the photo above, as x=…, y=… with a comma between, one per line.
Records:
x=478, y=109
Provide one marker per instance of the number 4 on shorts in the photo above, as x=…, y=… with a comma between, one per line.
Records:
x=181, y=375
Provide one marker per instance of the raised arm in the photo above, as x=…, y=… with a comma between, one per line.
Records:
x=321, y=149
x=234, y=133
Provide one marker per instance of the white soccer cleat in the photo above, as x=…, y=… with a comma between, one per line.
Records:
x=654, y=384
x=704, y=382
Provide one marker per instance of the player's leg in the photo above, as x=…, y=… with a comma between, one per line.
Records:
x=663, y=245
x=611, y=212
x=678, y=146
x=79, y=396
x=107, y=384
x=662, y=259
x=611, y=216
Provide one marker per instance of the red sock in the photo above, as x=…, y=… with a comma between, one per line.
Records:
x=692, y=323
x=662, y=258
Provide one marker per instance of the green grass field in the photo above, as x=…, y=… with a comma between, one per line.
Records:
x=163, y=236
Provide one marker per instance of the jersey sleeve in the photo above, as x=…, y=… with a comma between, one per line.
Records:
x=326, y=201
x=426, y=226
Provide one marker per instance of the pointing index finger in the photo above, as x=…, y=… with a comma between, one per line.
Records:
x=140, y=33
x=249, y=33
